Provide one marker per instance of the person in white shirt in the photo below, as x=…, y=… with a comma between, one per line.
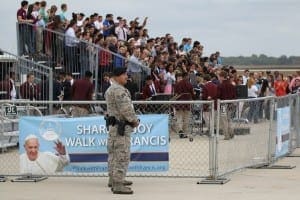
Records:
x=69, y=77
x=170, y=79
x=13, y=92
x=71, y=42
x=134, y=67
x=98, y=23
x=245, y=76
x=254, y=105
x=70, y=37
x=80, y=21
x=121, y=31
x=42, y=163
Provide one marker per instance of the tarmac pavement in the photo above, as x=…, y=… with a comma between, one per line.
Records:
x=247, y=184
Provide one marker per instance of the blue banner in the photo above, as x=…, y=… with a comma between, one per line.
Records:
x=85, y=139
x=283, y=131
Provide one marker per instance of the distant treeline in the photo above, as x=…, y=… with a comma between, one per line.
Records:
x=262, y=60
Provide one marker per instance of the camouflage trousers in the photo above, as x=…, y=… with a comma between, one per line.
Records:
x=118, y=148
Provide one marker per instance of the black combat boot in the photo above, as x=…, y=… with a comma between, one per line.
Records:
x=119, y=188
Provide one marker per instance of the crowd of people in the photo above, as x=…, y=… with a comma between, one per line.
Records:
x=155, y=65
x=162, y=55
x=127, y=44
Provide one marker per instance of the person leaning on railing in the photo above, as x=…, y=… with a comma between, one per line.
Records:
x=71, y=42
x=33, y=15
x=24, y=36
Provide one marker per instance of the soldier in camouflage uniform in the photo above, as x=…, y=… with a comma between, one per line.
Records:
x=119, y=105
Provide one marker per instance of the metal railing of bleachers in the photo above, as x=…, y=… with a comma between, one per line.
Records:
x=73, y=55
x=14, y=71
x=13, y=75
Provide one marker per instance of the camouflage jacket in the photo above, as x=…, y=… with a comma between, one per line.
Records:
x=119, y=103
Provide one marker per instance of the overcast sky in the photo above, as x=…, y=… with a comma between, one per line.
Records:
x=233, y=27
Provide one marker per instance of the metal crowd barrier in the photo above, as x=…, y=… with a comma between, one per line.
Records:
x=206, y=153
x=256, y=129
x=187, y=158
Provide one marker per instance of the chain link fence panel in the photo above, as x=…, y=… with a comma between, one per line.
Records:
x=189, y=156
x=295, y=121
x=206, y=150
x=242, y=133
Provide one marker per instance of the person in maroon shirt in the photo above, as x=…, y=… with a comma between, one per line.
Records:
x=105, y=59
x=151, y=88
x=82, y=90
x=210, y=92
x=184, y=91
x=29, y=89
x=21, y=13
x=23, y=27
x=5, y=88
x=226, y=91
